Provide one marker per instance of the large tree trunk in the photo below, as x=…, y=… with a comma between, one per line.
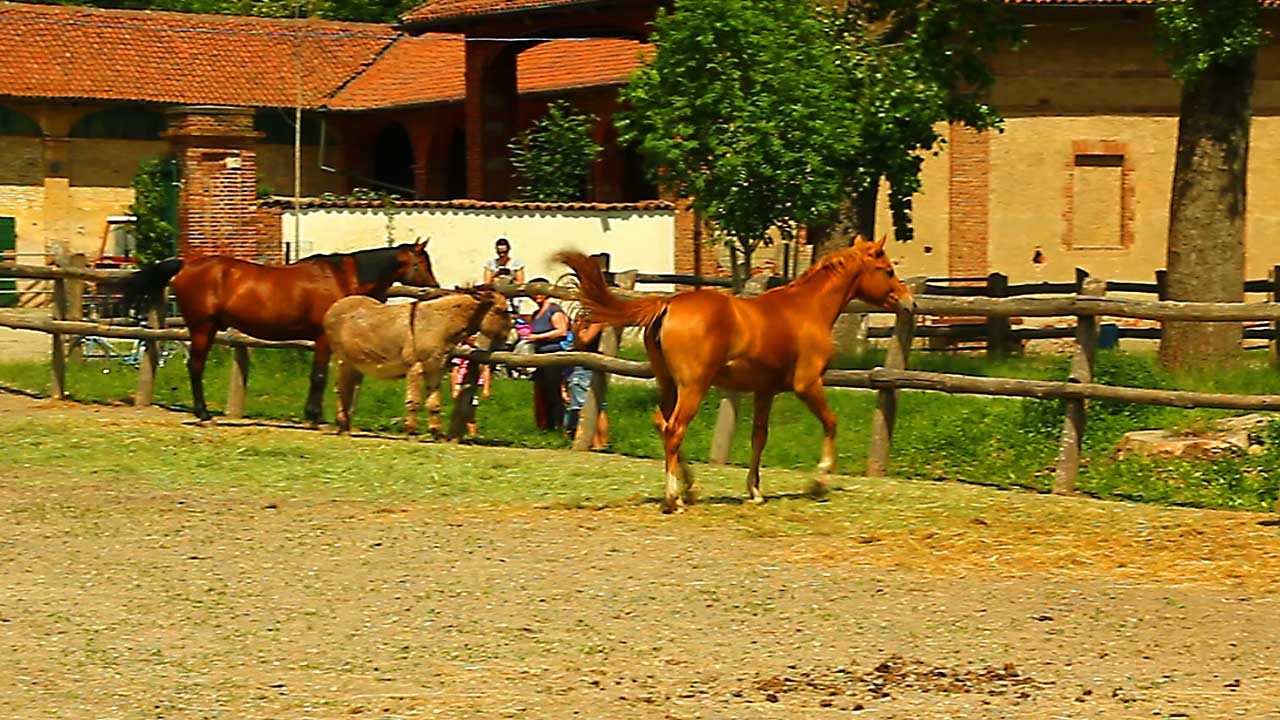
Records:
x=1205, y=259
x=858, y=215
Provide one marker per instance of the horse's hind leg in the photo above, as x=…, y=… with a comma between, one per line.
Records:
x=201, y=341
x=679, y=491
x=816, y=400
x=434, y=425
x=348, y=382
x=319, y=379
x=759, y=436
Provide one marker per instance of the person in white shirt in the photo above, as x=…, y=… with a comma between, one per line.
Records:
x=503, y=266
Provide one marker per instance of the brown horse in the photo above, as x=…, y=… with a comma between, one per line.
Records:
x=778, y=341
x=274, y=302
x=408, y=340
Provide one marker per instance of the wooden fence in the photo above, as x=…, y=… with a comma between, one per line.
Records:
x=1086, y=306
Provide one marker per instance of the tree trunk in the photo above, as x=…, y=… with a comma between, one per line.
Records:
x=1205, y=259
x=857, y=215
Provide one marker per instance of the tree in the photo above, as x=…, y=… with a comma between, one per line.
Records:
x=777, y=114
x=555, y=155
x=156, y=234
x=1212, y=46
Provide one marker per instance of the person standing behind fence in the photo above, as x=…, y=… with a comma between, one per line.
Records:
x=549, y=327
x=586, y=337
x=503, y=268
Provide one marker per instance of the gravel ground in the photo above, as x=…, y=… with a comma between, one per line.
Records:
x=124, y=600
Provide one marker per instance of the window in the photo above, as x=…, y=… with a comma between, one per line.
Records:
x=121, y=123
x=1099, y=207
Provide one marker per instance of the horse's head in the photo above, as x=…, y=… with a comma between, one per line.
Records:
x=414, y=265
x=877, y=283
x=493, y=314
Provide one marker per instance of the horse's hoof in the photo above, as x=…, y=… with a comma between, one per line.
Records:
x=818, y=490
x=759, y=500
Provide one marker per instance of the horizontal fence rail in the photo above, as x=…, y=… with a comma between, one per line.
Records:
x=1086, y=303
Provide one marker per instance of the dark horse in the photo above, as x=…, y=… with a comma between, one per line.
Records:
x=274, y=302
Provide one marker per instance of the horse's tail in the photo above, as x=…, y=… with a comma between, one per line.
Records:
x=144, y=288
x=606, y=307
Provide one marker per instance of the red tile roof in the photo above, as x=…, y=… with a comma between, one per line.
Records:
x=54, y=51
x=445, y=10
x=430, y=69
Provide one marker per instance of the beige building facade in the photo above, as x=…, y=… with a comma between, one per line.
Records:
x=1081, y=175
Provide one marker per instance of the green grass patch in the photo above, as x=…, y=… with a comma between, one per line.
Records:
x=1002, y=442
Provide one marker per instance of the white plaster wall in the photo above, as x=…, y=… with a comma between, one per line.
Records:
x=462, y=239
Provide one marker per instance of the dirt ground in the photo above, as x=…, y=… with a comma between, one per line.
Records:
x=129, y=601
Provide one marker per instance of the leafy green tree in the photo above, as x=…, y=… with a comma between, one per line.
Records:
x=554, y=156
x=156, y=234
x=1212, y=46
x=777, y=114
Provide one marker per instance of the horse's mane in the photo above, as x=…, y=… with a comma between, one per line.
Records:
x=831, y=265
x=372, y=265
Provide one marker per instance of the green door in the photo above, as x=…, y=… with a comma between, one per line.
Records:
x=8, y=246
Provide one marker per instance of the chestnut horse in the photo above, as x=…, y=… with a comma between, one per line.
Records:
x=274, y=302
x=775, y=342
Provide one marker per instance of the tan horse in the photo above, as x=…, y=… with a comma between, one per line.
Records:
x=408, y=340
x=772, y=343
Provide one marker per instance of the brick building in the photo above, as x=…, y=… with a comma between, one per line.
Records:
x=1079, y=177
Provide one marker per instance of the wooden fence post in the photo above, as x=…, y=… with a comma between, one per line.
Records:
x=998, y=328
x=150, y=360
x=1068, y=467
x=75, y=303
x=731, y=402
x=596, y=396
x=238, y=383
x=886, y=412
x=58, y=348
x=1274, y=277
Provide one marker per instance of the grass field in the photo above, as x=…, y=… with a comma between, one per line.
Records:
x=992, y=441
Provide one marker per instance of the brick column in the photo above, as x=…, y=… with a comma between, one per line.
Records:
x=970, y=202
x=217, y=198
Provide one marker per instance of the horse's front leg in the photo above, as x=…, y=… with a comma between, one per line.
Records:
x=319, y=379
x=412, y=397
x=759, y=436
x=815, y=399
x=348, y=382
x=201, y=341
x=434, y=425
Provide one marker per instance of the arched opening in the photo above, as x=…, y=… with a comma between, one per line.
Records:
x=393, y=160
x=120, y=123
x=14, y=122
x=636, y=184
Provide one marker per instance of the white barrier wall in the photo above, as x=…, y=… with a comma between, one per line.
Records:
x=461, y=239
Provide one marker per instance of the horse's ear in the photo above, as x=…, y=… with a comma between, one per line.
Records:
x=859, y=240
x=422, y=244
x=880, y=244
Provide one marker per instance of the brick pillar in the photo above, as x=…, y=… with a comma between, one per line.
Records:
x=970, y=202
x=688, y=255
x=490, y=118
x=217, y=198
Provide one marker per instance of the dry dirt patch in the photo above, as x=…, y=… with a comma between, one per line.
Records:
x=125, y=600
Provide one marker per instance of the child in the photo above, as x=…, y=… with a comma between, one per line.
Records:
x=459, y=373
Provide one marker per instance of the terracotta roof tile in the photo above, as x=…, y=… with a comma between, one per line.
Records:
x=55, y=51
x=448, y=10
x=430, y=69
